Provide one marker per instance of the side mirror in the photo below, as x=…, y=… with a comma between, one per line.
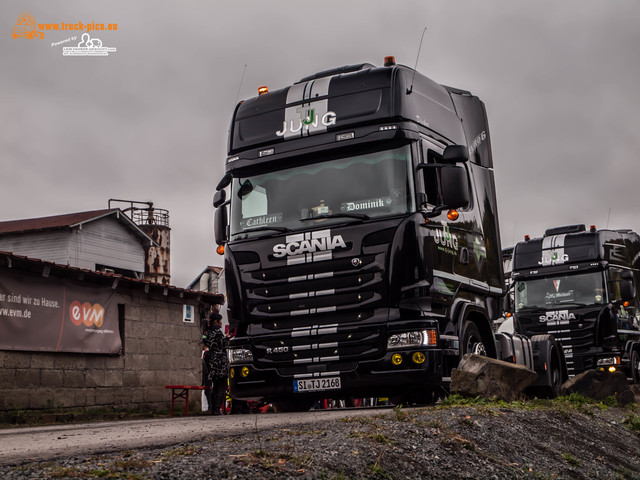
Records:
x=224, y=181
x=220, y=220
x=455, y=154
x=455, y=187
x=627, y=288
x=219, y=198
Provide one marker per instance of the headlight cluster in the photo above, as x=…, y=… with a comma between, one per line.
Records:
x=239, y=355
x=609, y=361
x=420, y=338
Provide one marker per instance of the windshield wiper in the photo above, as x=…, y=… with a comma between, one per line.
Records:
x=260, y=229
x=530, y=307
x=358, y=216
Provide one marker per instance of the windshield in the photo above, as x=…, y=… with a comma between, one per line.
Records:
x=348, y=189
x=561, y=291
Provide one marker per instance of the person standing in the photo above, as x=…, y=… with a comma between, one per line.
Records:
x=217, y=363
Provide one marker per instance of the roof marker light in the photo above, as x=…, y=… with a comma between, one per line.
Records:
x=527, y=238
x=345, y=136
x=389, y=61
x=262, y=90
x=266, y=153
x=592, y=228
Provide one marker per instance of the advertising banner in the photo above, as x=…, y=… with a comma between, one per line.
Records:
x=56, y=315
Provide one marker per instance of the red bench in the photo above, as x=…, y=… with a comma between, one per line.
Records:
x=182, y=391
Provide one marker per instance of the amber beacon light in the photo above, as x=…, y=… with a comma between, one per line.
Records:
x=262, y=90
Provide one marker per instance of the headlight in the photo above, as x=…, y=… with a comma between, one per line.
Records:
x=239, y=355
x=420, y=338
x=609, y=361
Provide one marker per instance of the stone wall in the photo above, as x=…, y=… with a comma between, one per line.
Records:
x=159, y=349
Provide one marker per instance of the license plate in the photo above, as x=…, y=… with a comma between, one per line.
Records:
x=317, y=384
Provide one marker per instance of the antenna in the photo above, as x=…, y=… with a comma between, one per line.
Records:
x=410, y=89
x=608, y=216
x=240, y=86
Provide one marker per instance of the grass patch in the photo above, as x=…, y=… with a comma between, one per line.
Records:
x=182, y=451
x=632, y=422
x=570, y=459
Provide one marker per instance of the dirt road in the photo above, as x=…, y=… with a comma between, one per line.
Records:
x=45, y=442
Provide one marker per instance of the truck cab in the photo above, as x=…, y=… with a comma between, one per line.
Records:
x=361, y=243
x=581, y=286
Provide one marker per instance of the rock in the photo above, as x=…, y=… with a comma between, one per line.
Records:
x=636, y=392
x=599, y=385
x=479, y=376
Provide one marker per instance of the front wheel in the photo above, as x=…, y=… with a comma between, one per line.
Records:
x=471, y=340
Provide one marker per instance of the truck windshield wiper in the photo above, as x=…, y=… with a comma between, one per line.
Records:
x=263, y=228
x=530, y=307
x=358, y=216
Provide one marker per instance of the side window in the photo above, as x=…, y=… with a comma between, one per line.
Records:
x=431, y=177
x=615, y=277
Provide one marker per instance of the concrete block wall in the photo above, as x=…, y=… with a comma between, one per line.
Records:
x=159, y=349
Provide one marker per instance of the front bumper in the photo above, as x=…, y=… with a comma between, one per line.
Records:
x=378, y=378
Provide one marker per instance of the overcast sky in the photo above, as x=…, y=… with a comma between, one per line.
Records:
x=560, y=80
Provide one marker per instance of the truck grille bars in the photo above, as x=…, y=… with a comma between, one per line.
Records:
x=310, y=289
x=306, y=316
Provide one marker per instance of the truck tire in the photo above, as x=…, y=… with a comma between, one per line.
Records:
x=471, y=340
x=635, y=366
x=554, y=374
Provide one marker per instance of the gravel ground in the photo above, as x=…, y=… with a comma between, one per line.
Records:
x=493, y=441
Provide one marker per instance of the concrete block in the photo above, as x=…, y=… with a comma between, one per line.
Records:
x=137, y=362
x=17, y=360
x=136, y=396
x=17, y=398
x=156, y=394
x=65, y=398
x=7, y=378
x=42, y=360
x=94, y=378
x=132, y=312
x=70, y=362
x=95, y=362
x=147, y=378
x=104, y=397
x=132, y=345
x=42, y=398
x=149, y=346
x=84, y=397
x=51, y=378
x=113, y=378
x=28, y=378
x=115, y=362
x=73, y=379
x=130, y=379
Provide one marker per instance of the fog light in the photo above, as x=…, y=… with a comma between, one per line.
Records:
x=612, y=369
x=245, y=371
x=396, y=359
x=418, y=358
x=232, y=372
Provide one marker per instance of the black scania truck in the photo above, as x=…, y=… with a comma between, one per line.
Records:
x=581, y=286
x=361, y=240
